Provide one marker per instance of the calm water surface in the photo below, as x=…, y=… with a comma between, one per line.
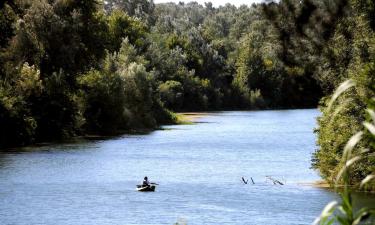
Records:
x=199, y=169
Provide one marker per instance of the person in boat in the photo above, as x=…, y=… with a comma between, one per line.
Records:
x=145, y=183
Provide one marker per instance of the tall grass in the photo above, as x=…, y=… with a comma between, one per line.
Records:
x=343, y=212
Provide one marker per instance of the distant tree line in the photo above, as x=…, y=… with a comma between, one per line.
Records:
x=101, y=67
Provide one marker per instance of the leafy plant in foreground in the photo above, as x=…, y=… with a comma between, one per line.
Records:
x=346, y=214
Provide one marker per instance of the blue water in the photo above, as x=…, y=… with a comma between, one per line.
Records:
x=199, y=169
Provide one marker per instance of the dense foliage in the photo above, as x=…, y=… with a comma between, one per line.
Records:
x=334, y=41
x=75, y=67
x=350, y=53
x=69, y=68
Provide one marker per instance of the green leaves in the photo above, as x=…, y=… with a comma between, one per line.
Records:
x=341, y=89
x=121, y=26
x=328, y=210
x=370, y=127
x=350, y=157
x=367, y=179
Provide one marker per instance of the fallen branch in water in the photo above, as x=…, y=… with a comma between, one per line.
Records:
x=274, y=181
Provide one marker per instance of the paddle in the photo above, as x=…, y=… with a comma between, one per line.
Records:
x=154, y=183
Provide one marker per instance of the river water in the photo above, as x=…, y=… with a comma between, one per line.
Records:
x=198, y=169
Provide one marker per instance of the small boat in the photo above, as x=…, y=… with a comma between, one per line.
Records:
x=146, y=188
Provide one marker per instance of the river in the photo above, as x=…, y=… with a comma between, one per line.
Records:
x=198, y=168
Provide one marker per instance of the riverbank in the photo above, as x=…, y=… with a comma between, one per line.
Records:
x=322, y=184
x=181, y=118
x=317, y=184
x=190, y=117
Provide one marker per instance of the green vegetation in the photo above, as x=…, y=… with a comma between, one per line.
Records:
x=330, y=42
x=353, y=155
x=101, y=67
